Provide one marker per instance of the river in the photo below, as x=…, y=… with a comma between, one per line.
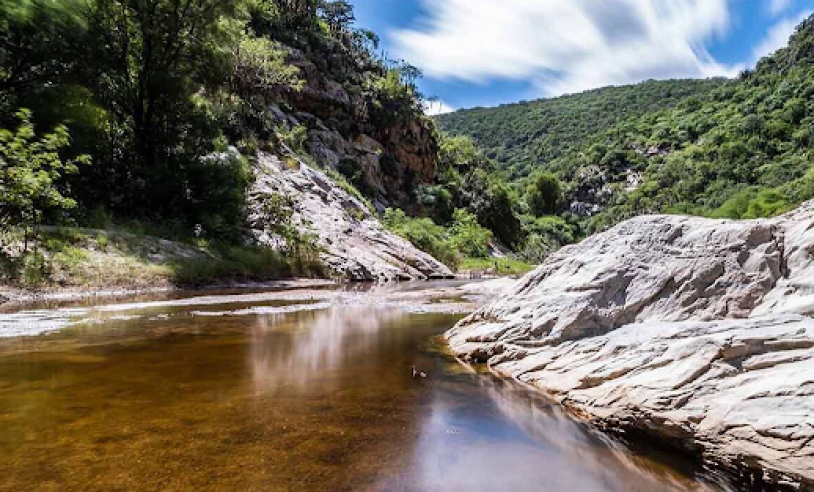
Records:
x=285, y=390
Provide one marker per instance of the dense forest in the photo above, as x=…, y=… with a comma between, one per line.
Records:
x=523, y=135
x=128, y=96
x=145, y=116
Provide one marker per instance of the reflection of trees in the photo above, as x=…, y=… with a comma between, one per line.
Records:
x=323, y=342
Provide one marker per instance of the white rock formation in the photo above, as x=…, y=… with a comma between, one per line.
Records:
x=355, y=244
x=696, y=331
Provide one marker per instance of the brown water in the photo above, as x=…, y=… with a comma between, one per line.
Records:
x=254, y=395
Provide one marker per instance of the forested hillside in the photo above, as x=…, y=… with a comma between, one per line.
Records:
x=525, y=136
x=741, y=148
x=149, y=117
x=745, y=150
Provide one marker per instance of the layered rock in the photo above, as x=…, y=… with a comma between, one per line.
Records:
x=354, y=243
x=697, y=331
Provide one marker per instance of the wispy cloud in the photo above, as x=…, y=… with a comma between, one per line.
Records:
x=777, y=7
x=778, y=36
x=434, y=108
x=567, y=46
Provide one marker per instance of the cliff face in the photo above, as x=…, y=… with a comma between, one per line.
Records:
x=385, y=157
x=391, y=157
x=694, y=330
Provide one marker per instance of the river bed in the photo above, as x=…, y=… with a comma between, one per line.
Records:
x=286, y=390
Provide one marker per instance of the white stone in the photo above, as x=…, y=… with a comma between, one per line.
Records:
x=697, y=331
x=355, y=244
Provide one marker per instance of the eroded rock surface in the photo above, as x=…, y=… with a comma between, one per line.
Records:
x=355, y=244
x=697, y=331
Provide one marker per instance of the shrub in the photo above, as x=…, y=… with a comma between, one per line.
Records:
x=30, y=171
x=468, y=237
x=544, y=194
x=424, y=234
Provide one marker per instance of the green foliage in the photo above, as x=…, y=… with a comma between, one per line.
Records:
x=723, y=148
x=468, y=237
x=496, y=211
x=294, y=138
x=172, y=98
x=424, y=234
x=260, y=68
x=545, y=134
x=30, y=173
x=38, y=43
x=544, y=194
x=464, y=238
x=394, y=94
x=544, y=235
x=744, y=152
x=753, y=204
x=245, y=263
x=465, y=179
x=498, y=266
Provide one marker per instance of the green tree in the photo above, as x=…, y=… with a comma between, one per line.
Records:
x=259, y=68
x=150, y=57
x=39, y=42
x=338, y=14
x=468, y=237
x=544, y=194
x=30, y=173
x=497, y=213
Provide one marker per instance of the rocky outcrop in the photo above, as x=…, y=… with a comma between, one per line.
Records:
x=696, y=331
x=392, y=157
x=354, y=243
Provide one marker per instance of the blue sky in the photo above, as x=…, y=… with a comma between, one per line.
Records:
x=488, y=52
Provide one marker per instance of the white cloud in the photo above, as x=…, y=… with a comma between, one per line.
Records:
x=434, y=108
x=778, y=36
x=777, y=7
x=567, y=46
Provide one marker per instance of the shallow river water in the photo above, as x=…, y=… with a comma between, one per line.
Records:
x=256, y=392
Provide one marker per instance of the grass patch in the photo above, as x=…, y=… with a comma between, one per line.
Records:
x=501, y=266
x=90, y=259
x=244, y=264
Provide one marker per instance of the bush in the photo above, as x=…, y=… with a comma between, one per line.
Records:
x=544, y=194
x=468, y=237
x=30, y=173
x=544, y=235
x=424, y=234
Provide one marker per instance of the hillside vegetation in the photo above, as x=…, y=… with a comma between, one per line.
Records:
x=523, y=136
x=738, y=148
x=744, y=150
x=129, y=115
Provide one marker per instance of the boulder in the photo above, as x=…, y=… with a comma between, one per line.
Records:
x=694, y=331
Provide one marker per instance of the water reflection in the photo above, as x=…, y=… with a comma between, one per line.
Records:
x=320, y=345
x=290, y=391
x=488, y=434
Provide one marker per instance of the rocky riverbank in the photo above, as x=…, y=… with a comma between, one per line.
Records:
x=697, y=332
